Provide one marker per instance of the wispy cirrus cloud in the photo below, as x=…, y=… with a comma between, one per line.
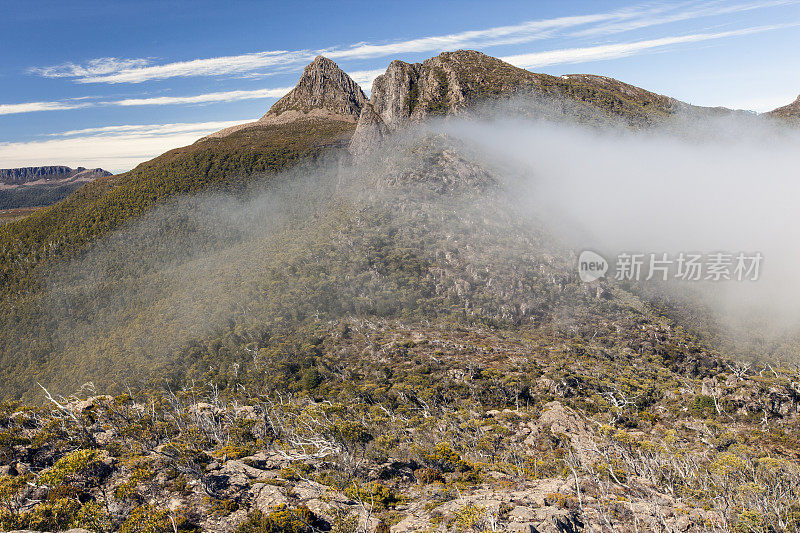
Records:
x=691, y=12
x=31, y=107
x=112, y=70
x=365, y=77
x=114, y=148
x=207, y=98
x=619, y=50
x=151, y=129
x=94, y=67
x=227, y=96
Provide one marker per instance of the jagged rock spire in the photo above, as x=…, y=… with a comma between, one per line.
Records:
x=323, y=90
x=369, y=131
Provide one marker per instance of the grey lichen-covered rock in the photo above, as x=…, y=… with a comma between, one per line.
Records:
x=323, y=89
x=442, y=85
x=369, y=131
x=268, y=497
x=395, y=94
x=559, y=419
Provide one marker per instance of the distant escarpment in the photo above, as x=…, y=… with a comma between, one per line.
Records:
x=49, y=174
x=39, y=186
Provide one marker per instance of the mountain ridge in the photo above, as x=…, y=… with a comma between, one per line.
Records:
x=452, y=83
x=51, y=173
x=34, y=187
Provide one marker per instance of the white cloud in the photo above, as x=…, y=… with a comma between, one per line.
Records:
x=703, y=10
x=152, y=129
x=94, y=67
x=366, y=77
x=227, y=96
x=111, y=70
x=616, y=51
x=114, y=148
x=201, y=67
x=30, y=107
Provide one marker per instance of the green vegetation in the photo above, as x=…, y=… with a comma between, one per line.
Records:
x=35, y=196
x=34, y=247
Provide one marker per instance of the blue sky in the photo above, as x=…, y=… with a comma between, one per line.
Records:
x=112, y=84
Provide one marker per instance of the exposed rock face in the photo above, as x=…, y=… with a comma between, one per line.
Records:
x=323, y=87
x=395, y=94
x=49, y=174
x=369, y=131
x=442, y=85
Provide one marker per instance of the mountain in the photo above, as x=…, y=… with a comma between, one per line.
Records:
x=455, y=81
x=50, y=174
x=263, y=332
x=324, y=92
x=40, y=186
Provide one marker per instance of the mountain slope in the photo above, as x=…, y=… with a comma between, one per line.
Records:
x=316, y=118
x=790, y=111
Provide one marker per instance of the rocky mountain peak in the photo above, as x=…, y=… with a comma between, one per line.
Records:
x=441, y=85
x=324, y=90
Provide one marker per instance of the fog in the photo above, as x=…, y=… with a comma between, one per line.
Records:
x=303, y=244
x=701, y=185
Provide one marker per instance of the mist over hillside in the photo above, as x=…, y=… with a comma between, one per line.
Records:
x=694, y=184
x=477, y=219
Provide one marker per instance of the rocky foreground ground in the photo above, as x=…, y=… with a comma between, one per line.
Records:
x=706, y=454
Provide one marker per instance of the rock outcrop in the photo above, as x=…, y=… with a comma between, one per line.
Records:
x=324, y=89
x=369, y=132
x=445, y=84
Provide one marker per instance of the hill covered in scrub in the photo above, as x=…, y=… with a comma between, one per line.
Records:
x=342, y=317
